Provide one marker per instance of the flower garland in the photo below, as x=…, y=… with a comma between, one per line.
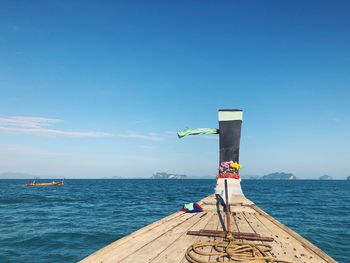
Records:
x=229, y=170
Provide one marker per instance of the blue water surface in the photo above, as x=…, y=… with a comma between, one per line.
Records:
x=67, y=223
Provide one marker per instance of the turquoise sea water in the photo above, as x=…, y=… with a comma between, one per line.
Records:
x=65, y=224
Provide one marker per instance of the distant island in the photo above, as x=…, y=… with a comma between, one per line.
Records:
x=252, y=177
x=164, y=175
x=326, y=177
x=348, y=178
x=279, y=176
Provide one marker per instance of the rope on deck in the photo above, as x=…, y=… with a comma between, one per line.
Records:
x=230, y=251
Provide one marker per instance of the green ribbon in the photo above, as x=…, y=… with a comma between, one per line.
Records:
x=188, y=131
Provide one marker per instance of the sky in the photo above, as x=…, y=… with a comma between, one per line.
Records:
x=93, y=89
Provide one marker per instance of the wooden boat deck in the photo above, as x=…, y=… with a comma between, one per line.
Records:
x=166, y=240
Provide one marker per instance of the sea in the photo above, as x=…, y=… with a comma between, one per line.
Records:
x=67, y=223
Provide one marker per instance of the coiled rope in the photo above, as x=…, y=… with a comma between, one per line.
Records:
x=230, y=251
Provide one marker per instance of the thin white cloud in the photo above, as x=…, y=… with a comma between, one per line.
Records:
x=27, y=122
x=153, y=136
x=42, y=127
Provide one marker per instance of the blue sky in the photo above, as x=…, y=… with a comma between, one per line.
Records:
x=99, y=88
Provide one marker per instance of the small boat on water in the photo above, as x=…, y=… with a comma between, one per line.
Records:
x=53, y=183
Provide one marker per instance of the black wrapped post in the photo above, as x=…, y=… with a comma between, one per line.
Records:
x=230, y=123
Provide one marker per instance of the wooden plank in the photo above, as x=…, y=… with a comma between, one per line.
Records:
x=127, y=238
x=151, y=249
x=221, y=221
x=244, y=226
x=175, y=252
x=219, y=225
x=250, y=221
x=287, y=245
x=306, y=244
x=213, y=224
x=136, y=240
x=240, y=200
x=278, y=248
x=209, y=205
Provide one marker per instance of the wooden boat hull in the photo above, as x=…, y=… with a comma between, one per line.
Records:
x=45, y=184
x=167, y=240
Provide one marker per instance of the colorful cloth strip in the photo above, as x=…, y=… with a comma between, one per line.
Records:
x=187, y=132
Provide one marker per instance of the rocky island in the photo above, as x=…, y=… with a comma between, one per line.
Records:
x=326, y=177
x=279, y=176
x=164, y=175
